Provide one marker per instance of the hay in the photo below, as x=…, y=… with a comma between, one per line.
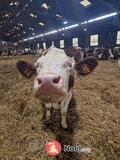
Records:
x=93, y=118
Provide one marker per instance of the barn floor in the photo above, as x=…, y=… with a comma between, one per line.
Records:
x=93, y=117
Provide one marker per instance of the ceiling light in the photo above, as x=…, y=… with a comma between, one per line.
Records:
x=33, y=15
x=42, y=24
x=11, y=4
x=58, y=15
x=65, y=22
x=44, y=5
x=7, y=34
x=31, y=29
x=100, y=18
x=20, y=24
x=85, y=29
x=16, y=3
x=17, y=14
x=26, y=5
x=73, y=26
x=15, y=27
x=6, y=15
x=85, y=3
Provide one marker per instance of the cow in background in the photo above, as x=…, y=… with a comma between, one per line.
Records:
x=55, y=73
x=116, y=53
x=39, y=52
x=119, y=62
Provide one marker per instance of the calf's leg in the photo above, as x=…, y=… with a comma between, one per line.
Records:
x=64, y=106
x=48, y=108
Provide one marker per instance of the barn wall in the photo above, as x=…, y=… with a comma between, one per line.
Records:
x=106, y=39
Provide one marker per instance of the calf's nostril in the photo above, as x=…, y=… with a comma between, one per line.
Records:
x=39, y=80
x=56, y=79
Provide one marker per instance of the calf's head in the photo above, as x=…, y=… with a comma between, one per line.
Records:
x=55, y=73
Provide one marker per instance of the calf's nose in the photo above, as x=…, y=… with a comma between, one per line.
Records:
x=48, y=80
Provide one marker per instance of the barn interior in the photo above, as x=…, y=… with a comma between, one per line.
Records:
x=94, y=112
x=24, y=19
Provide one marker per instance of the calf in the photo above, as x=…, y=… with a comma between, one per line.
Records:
x=116, y=53
x=39, y=52
x=55, y=73
x=103, y=54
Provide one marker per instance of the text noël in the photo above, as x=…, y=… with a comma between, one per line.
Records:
x=68, y=148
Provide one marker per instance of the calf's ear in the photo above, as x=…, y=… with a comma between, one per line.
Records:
x=86, y=66
x=25, y=68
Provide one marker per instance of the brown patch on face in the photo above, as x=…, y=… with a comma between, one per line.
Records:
x=25, y=68
x=71, y=82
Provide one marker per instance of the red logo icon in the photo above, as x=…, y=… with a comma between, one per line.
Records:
x=53, y=148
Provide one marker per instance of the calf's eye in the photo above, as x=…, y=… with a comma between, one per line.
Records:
x=70, y=64
x=38, y=65
x=67, y=64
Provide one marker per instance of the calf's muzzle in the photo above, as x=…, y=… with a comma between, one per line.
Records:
x=49, y=84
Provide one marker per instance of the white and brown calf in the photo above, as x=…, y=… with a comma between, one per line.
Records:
x=55, y=73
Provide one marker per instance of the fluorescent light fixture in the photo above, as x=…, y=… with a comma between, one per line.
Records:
x=20, y=24
x=32, y=29
x=85, y=29
x=65, y=22
x=17, y=14
x=42, y=24
x=85, y=3
x=44, y=5
x=100, y=18
x=85, y=22
x=26, y=39
x=33, y=15
x=103, y=17
x=91, y=20
x=26, y=5
x=6, y=15
x=55, y=31
x=11, y=4
x=16, y=3
x=15, y=27
x=73, y=26
x=58, y=15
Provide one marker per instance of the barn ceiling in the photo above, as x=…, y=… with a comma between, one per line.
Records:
x=24, y=18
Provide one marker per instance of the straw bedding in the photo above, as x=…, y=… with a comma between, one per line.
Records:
x=93, y=116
